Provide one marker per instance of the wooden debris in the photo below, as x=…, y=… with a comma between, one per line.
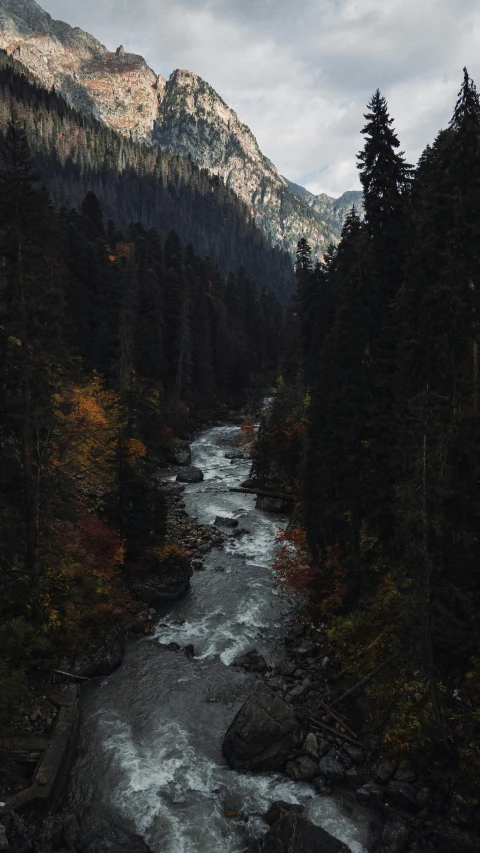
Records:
x=319, y=723
x=337, y=718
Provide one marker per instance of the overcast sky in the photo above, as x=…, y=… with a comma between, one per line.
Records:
x=299, y=72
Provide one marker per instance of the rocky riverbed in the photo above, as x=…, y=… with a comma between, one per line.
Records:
x=211, y=735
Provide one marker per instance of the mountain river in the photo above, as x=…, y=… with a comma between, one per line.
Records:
x=150, y=742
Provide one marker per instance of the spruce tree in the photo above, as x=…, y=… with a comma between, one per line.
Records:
x=386, y=180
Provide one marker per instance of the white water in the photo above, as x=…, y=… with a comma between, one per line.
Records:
x=152, y=733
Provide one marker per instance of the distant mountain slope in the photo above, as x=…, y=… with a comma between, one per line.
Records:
x=332, y=210
x=183, y=115
x=135, y=183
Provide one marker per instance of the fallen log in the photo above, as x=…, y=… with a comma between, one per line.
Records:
x=336, y=717
x=264, y=493
x=318, y=723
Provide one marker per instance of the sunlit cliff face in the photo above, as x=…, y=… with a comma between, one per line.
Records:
x=183, y=115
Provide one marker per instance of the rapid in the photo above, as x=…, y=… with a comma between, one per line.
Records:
x=150, y=742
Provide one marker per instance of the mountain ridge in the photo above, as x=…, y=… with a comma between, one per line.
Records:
x=182, y=115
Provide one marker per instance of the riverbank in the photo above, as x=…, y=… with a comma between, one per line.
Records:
x=341, y=754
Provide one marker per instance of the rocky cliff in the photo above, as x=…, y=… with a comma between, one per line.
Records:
x=183, y=115
x=117, y=88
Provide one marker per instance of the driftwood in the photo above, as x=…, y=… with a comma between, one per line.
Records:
x=337, y=718
x=318, y=723
x=264, y=493
x=367, y=678
x=69, y=675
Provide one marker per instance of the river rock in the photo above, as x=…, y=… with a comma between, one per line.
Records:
x=96, y=835
x=395, y=836
x=180, y=454
x=404, y=773
x=99, y=658
x=332, y=769
x=384, y=771
x=190, y=475
x=403, y=796
x=302, y=769
x=356, y=754
x=224, y=521
x=263, y=734
x=268, y=504
x=251, y=661
x=291, y=832
x=371, y=795
x=310, y=745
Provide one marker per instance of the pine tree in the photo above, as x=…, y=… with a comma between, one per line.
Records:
x=31, y=324
x=386, y=179
x=336, y=465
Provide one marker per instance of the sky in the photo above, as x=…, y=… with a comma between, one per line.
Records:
x=300, y=72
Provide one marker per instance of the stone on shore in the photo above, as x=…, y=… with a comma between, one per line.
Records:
x=263, y=734
x=291, y=832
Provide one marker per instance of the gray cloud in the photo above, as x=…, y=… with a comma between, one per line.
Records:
x=299, y=74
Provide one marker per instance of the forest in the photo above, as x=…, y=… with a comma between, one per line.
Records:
x=75, y=154
x=374, y=428
x=112, y=344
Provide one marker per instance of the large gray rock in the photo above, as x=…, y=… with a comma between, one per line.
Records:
x=263, y=734
x=190, y=475
x=303, y=769
x=332, y=769
x=291, y=832
x=251, y=661
x=99, y=659
x=180, y=454
x=225, y=521
x=268, y=504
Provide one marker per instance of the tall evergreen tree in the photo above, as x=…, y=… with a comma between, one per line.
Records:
x=31, y=324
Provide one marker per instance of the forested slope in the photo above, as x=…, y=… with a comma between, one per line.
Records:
x=75, y=154
x=375, y=429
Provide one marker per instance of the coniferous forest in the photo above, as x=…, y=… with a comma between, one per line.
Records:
x=374, y=428
x=112, y=344
x=137, y=300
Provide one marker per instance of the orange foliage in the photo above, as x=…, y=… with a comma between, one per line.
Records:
x=292, y=567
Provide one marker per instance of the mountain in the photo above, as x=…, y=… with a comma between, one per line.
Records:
x=332, y=210
x=183, y=115
x=75, y=154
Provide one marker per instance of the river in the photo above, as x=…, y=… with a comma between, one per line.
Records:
x=151, y=734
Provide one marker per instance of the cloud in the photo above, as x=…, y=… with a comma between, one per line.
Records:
x=299, y=74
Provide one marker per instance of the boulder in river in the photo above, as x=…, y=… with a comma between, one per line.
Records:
x=291, y=832
x=263, y=734
x=224, y=521
x=190, y=475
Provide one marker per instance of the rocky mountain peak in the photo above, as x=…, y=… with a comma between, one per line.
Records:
x=183, y=115
x=118, y=88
